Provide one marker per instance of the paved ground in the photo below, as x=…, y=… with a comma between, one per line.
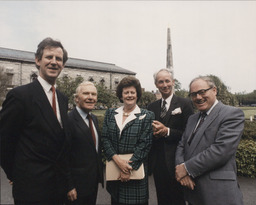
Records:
x=248, y=187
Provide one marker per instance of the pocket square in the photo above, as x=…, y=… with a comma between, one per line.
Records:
x=142, y=117
x=176, y=111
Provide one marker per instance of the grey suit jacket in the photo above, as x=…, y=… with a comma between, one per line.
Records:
x=210, y=158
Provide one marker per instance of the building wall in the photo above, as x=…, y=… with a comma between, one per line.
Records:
x=22, y=73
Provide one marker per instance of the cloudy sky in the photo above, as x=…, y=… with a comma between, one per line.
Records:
x=208, y=37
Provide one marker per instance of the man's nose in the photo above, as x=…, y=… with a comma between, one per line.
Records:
x=53, y=60
x=198, y=96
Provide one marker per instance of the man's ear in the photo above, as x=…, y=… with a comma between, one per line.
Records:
x=37, y=62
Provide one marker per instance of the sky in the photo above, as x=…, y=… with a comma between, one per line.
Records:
x=208, y=37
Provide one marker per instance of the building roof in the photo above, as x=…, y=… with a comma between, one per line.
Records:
x=26, y=56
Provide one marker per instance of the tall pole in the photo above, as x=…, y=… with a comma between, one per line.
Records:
x=169, y=60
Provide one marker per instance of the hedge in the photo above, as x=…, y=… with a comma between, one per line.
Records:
x=246, y=158
x=249, y=130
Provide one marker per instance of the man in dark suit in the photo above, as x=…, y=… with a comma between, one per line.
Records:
x=171, y=114
x=33, y=132
x=205, y=156
x=85, y=158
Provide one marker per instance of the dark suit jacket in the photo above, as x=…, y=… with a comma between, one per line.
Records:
x=210, y=158
x=86, y=163
x=33, y=144
x=177, y=123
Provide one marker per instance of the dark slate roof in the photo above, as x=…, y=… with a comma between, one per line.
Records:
x=26, y=56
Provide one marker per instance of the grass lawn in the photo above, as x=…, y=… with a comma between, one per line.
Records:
x=249, y=111
x=99, y=113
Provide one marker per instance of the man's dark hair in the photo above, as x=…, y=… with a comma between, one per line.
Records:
x=128, y=82
x=50, y=43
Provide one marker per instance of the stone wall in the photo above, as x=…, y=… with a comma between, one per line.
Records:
x=23, y=73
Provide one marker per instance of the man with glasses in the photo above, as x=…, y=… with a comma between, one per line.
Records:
x=205, y=157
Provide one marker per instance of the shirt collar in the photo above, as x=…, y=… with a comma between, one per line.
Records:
x=120, y=110
x=215, y=103
x=168, y=100
x=81, y=112
x=46, y=86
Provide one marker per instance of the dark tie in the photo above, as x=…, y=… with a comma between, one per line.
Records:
x=91, y=128
x=163, y=110
x=202, y=117
x=53, y=100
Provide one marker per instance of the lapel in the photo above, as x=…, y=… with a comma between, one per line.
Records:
x=158, y=109
x=200, y=133
x=40, y=98
x=83, y=126
x=173, y=105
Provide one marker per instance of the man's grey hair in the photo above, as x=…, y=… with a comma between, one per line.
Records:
x=207, y=79
x=82, y=85
x=163, y=69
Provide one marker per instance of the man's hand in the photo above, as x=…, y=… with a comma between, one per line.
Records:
x=159, y=129
x=180, y=172
x=188, y=182
x=72, y=195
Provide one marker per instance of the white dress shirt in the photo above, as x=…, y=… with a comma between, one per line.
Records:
x=86, y=120
x=47, y=89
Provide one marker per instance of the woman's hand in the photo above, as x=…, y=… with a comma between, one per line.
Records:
x=122, y=164
x=125, y=177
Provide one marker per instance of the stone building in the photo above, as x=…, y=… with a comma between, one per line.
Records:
x=20, y=69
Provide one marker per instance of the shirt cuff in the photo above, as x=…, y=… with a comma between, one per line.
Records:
x=187, y=170
x=168, y=132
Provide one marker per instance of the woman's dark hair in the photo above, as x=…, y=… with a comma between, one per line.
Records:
x=128, y=82
x=49, y=43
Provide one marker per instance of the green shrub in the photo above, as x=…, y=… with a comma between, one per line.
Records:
x=249, y=130
x=246, y=158
x=100, y=120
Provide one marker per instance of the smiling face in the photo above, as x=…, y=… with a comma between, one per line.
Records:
x=129, y=96
x=164, y=83
x=86, y=98
x=205, y=101
x=51, y=64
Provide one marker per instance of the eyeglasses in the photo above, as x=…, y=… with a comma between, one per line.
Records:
x=200, y=92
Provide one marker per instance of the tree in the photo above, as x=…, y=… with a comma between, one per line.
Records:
x=177, y=85
x=67, y=86
x=223, y=94
x=178, y=91
x=246, y=99
x=4, y=82
x=146, y=99
x=105, y=96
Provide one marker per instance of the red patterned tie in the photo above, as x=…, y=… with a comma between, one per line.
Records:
x=53, y=100
x=91, y=128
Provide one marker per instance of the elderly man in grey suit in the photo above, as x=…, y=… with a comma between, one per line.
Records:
x=205, y=157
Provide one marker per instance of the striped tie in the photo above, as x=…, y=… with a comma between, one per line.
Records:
x=163, y=110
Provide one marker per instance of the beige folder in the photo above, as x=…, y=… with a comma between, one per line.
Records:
x=113, y=171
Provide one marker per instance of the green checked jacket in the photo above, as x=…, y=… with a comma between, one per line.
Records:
x=136, y=137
